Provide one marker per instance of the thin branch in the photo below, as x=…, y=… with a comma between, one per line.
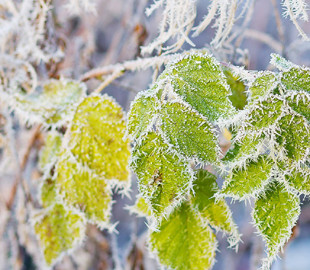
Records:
x=132, y=65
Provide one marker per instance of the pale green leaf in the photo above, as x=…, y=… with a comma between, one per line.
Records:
x=294, y=136
x=300, y=103
x=265, y=113
x=142, y=112
x=55, y=105
x=97, y=138
x=248, y=180
x=83, y=190
x=296, y=79
x=299, y=179
x=280, y=63
x=58, y=231
x=50, y=151
x=263, y=85
x=276, y=212
x=164, y=177
x=183, y=242
x=200, y=81
x=216, y=212
x=189, y=132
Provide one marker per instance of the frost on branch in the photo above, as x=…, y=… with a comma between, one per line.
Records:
x=59, y=230
x=178, y=19
x=183, y=241
x=276, y=212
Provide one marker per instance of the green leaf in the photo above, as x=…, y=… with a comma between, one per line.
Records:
x=50, y=151
x=300, y=103
x=58, y=231
x=54, y=106
x=299, y=179
x=238, y=97
x=142, y=112
x=263, y=85
x=280, y=63
x=250, y=145
x=276, y=212
x=164, y=176
x=216, y=212
x=199, y=80
x=83, y=190
x=296, y=79
x=248, y=180
x=184, y=242
x=189, y=132
x=264, y=114
x=96, y=139
x=294, y=137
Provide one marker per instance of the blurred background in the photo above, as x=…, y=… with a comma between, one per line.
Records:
x=113, y=34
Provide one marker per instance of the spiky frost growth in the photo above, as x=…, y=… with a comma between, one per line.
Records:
x=22, y=29
x=296, y=9
x=224, y=12
x=178, y=19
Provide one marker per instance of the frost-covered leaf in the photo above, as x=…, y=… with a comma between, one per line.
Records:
x=299, y=179
x=54, y=105
x=294, y=136
x=280, y=63
x=58, y=231
x=189, y=132
x=276, y=212
x=96, y=138
x=265, y=113
x=83, y=190
x=263, y=85
x=245, y=147
x=50, y=151
x=141, y=207
x=296, y=79
x=48, y=192
x=141, y=113
x=164, y=176
x=216, y=212
x=183, y=241
x=248, y=180
x=199, y=80
x=300, y=103
x=238, y=96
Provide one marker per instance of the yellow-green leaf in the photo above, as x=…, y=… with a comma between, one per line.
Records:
x=96, y=139
x=55, y=105
x=83, y=190
x=58, y=230
x=183, y=241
